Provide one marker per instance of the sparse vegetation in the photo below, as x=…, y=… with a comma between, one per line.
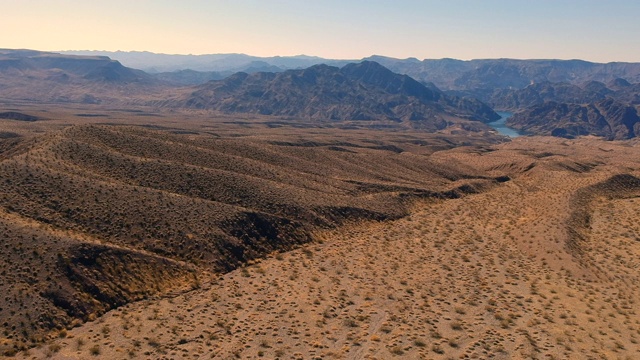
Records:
x=94, y=350
x=408, y=263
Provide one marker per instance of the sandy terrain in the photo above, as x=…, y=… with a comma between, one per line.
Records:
x=494, y=275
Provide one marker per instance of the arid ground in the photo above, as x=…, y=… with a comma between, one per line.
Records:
x=294, y=241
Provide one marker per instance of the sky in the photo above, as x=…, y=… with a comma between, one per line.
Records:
x=601, y=31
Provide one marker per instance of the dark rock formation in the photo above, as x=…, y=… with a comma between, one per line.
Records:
x=363, y=91
x=608, y=118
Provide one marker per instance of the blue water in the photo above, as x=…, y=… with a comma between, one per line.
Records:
x=503, y=129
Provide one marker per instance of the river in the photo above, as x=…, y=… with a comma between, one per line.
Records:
x=503, y=129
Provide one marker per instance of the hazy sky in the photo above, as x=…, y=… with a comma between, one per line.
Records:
x=602, y=30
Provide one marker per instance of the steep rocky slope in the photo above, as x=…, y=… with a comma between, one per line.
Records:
x=607, y=118
x=564, y=109
x=364, y=91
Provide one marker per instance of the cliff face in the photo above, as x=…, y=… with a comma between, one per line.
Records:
x=608, y=118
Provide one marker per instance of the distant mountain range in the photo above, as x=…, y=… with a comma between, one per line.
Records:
x=446, y=74
x=361, y=92
x=549, y=97
x=36, y=76
x=567, y=110
x=490, y=74
x=564, y=98
x=155, y=63
x=357, y=91
x=99, y=68
x=608, y=118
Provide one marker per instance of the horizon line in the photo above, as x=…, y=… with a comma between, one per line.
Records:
x=343, y=59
